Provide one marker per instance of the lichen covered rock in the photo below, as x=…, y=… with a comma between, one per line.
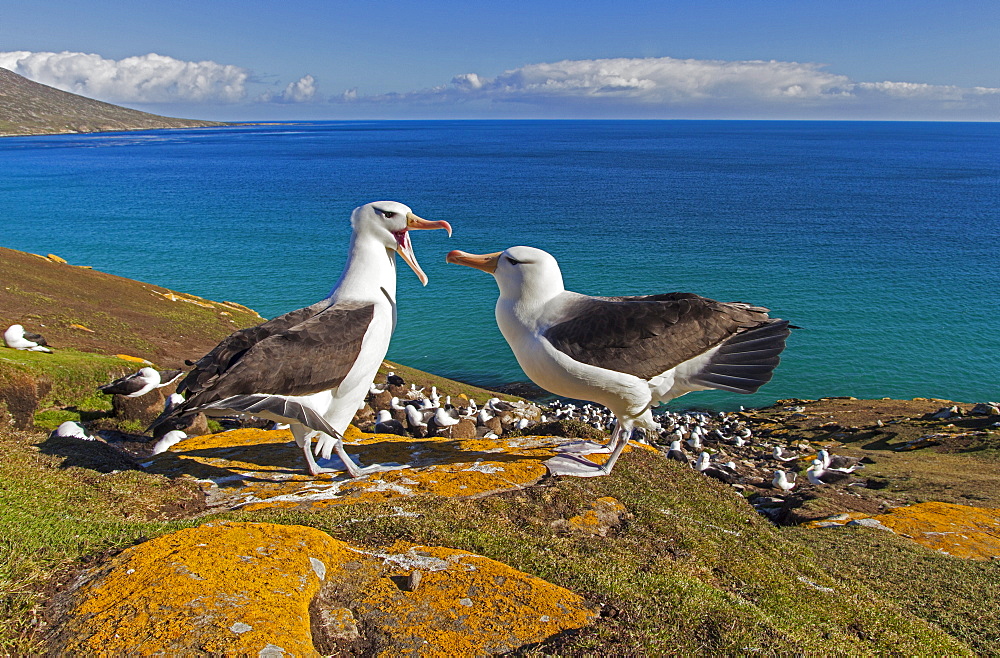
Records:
x=603, y=516
x=252, y=469
x=958, y=530
x=251, y=589
x=226, y=588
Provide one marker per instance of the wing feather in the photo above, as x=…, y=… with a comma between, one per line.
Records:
x=646, y=336
x=312, y=356
x=232, y=348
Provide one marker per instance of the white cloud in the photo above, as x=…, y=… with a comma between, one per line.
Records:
x=666, y=85
x=148, y=78
x=302, y=90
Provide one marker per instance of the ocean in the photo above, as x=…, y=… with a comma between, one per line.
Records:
x=880, y=240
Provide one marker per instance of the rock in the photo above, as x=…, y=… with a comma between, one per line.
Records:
x=985, y=409
x=868, y=523
x=946, y=412
x=604, y=515
x=253, y=469
x=143, y=409
x=959, y=530
x=264, y=589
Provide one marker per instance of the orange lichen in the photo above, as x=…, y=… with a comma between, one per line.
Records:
x=56, y=259
x=134, y=359
x=958, y=530
x=226, y=588
x=81, y=327
x=465, y=605
x=190, y=299
x=604, y=513
x=239, y=588
x=253, y=468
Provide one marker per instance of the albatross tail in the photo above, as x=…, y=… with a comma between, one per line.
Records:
x=746, y=361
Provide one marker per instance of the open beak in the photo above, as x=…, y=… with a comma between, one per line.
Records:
x=484, y=262
x=405, y=248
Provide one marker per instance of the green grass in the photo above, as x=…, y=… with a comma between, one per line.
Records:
x=694, y=572
x=960, y=596
x=52, y=518
x=66, y=378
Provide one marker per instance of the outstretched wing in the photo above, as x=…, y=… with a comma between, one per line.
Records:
x=232, y=348
x=312, y=356
x=646, y=336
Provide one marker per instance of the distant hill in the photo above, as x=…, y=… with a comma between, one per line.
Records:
x=30, y=108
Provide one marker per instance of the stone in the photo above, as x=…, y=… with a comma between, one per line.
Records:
x=958, y=530
x=985, y=409
x=868, y=523
x=602, y=516
x=231, y=588
x=254, y=468
x=143, y=409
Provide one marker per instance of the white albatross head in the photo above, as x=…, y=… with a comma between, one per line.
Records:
x=390, y=223
x=521, y=272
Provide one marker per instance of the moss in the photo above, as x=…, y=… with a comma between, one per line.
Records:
x=53, y=418
x=33, y=381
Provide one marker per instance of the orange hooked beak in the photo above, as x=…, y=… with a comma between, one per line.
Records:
x=405, y=248
x=484, y=262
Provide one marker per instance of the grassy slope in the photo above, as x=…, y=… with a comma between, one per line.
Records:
x=695, y=571
x=111, y=314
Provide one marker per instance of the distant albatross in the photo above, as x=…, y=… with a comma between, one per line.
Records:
x=16, y=337
x=140, y=382
x=627, y=353
x=313, y=367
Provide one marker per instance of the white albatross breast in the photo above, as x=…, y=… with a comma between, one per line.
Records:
x=313, y=367
x=627, y=353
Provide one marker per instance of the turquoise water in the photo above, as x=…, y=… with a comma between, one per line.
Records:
x=881, y=240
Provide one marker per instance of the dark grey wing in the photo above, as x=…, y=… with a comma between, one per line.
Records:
x=646, y=336
x=313, y=356
x=35, y=338
x=232, y=348
x=123, y=385
x=168, y=377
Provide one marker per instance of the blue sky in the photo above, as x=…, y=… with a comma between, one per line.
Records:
x=447, y=59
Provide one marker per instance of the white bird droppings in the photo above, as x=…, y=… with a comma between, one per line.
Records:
x=318, y=567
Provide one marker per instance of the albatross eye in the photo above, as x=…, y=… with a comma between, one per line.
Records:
x=388, y=214
x=512, y=261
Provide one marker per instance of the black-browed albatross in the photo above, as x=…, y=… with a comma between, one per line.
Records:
x=140, y=382
x=627, y=353
x=313, y=367
x=17, y=338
